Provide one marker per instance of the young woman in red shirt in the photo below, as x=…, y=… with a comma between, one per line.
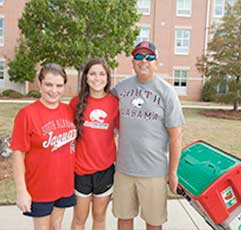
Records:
x=43, y=153
x=96, y=116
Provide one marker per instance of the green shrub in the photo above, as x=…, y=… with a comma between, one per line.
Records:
x=11, y=93
x=209, y=91
x=34, y=94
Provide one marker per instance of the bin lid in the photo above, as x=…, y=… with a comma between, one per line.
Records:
x=201, y=164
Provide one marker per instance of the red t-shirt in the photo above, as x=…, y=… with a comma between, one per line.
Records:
x=96, y=149
x=47, y=137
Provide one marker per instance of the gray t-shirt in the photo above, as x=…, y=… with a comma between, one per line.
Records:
x=146, y=111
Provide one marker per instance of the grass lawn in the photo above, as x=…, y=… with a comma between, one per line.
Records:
x=7, y=191
x=7, y=114
x=225, y=134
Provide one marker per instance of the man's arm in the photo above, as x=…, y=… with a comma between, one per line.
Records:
x=175, y=147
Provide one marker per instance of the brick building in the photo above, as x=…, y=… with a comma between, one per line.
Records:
x=179, y=28
x=10, y=12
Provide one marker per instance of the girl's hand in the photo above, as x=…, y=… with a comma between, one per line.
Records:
x=24, y=201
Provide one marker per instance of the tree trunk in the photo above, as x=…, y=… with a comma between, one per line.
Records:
x=236, y=99
x=235, y=105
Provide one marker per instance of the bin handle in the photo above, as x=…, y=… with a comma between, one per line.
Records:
x=181, y=191
x=210, y=165
x=215, y=168
x=192, y=161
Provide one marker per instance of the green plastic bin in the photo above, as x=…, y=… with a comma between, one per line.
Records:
x=201, y=164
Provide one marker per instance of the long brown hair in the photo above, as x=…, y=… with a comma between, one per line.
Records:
x=84, y=92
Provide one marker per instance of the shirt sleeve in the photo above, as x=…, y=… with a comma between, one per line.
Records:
x=173, y=113
x=21, y=135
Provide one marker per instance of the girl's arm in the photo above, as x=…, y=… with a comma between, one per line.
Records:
x=23, y=198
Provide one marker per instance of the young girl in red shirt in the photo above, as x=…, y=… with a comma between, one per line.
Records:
x=96, y=116
x=43, y=153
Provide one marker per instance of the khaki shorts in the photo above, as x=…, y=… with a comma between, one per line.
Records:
x=150, y=194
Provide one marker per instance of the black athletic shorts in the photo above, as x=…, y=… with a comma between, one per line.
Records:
x=98, y=184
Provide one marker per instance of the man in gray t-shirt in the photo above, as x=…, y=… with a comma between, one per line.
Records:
x=149, y=144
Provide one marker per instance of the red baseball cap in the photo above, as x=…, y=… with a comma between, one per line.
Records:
x=147, y=46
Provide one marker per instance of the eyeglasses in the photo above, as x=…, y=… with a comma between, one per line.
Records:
x=148, y=57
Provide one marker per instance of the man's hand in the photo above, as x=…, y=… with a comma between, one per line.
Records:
x=173, y=182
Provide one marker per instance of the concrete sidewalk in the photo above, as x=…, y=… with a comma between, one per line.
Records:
x=181, y=216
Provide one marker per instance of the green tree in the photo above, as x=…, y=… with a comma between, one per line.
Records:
x=22, y=68
x=222, y=61
x=70, y=32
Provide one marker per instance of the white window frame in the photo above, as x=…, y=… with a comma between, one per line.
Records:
x=181, y=90
x=2, y=38
x=2, y=2
x=182, y=49
x=143, y=36
x=187, y=6
x=221, y=5
x=144, y=7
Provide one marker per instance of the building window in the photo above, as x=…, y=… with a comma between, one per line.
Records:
x=182, y=41
x=180, y=77
x=222, y=88
x=180, y=80
x=2, y=67
x=2, y=2
x=219, y=7
x=144, y=7
x=1, y=31
x=184, y=8
x=144, y=35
